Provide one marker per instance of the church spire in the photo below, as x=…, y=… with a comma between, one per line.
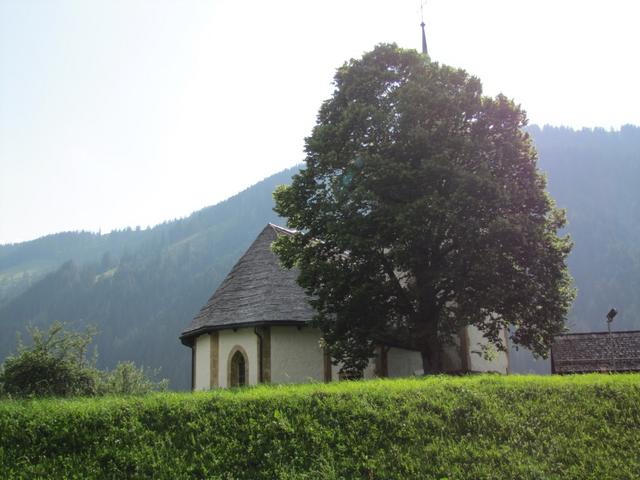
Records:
x=424, y=36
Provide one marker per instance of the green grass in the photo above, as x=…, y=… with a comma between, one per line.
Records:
x=528, y=427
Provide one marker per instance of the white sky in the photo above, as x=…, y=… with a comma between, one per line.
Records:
x=131, y=112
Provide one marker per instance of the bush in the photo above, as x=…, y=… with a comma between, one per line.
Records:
x=128, y=379
x=575, y=427
x=54, y=365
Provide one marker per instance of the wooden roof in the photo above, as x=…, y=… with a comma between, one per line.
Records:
x=257, y=291
x=596, y=352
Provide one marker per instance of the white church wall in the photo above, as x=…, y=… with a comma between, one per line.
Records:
x=400, y=363
x=403, y=363
x=335, y=372
x=368, y=373
x=451, y=360
x=227, y=340
x=296, y=355
x=499, y=364
x=203, y=364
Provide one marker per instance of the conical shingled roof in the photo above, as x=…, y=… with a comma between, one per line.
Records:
x=257, y=291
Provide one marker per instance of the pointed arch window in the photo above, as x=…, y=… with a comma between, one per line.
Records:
x=238, y=368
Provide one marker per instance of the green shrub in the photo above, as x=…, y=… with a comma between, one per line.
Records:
x=458, y=428
x=54, y=365
x=128, y=379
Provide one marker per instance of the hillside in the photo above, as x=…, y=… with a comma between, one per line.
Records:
x=23, y=264
x=595, y=174
x=485, y=426
x=141, y=287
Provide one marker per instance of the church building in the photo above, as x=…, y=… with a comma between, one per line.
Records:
x=256, y=329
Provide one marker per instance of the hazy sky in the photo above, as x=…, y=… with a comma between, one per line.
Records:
x=124, y=113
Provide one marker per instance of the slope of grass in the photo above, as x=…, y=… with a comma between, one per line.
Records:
x=458, y=428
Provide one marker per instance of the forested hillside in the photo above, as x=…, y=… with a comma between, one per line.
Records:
x=595, y=174
x=139, y=287
x=23, y=264
x=142, y=287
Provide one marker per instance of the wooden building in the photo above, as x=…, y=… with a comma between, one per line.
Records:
x=596, y=352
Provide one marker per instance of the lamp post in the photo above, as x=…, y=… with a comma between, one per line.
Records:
x=610, y=316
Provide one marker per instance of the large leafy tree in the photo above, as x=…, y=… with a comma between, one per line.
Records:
x=421, y=211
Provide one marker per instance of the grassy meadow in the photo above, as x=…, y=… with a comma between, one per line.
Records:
x=472, y=427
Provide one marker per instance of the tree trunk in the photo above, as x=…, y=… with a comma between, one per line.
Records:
x=432, y=357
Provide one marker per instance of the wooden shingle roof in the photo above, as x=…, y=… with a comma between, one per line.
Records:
x=596, y=352
x=257, y=291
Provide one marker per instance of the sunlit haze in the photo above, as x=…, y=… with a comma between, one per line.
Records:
x=127, y=113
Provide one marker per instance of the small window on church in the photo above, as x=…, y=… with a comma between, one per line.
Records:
x=238, y=370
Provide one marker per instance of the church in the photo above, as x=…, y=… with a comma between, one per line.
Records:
x=256, y=328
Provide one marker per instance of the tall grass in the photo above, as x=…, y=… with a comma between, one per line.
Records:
x=528, y=427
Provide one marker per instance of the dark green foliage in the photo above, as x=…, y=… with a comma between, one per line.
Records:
x=583, y=427
x=55, y=364
x=421, y=211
